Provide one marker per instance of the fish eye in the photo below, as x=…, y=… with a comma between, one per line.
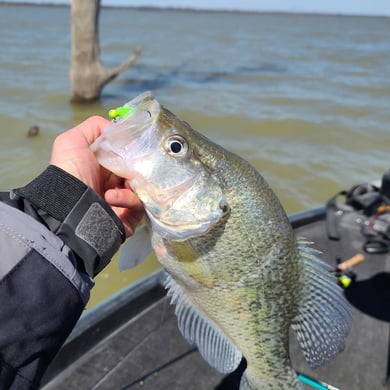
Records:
x=177, y=146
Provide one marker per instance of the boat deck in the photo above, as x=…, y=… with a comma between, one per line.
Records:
x=146, y=352
x=138, y=346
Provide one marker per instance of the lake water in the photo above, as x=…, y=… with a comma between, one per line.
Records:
x=305, y=98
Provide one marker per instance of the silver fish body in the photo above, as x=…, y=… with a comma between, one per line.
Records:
x=238, y=275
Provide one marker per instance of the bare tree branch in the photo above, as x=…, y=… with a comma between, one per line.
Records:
x=120, y=68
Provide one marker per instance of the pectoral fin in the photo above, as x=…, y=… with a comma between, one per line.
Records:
x=199, y=330
x=136, y=249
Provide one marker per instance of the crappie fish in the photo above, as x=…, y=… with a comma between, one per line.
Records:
x=238, y=275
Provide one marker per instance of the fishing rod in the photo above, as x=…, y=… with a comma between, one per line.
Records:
x=315, y=384
x=303, y=378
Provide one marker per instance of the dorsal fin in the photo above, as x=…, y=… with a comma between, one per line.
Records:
x=198, y=330
x=324, y=315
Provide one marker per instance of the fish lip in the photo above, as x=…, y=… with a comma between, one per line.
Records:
x=170, y=231
x=146, y=111
x=167, y=230
x=159, y=203
x=167, y=194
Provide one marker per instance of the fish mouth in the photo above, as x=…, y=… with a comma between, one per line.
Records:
x=132, y=134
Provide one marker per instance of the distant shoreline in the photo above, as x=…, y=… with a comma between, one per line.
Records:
x=200, y=10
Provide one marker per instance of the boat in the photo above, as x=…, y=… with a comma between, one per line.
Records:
x=131, y=340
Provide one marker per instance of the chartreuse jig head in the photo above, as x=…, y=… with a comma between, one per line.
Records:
x=120, y=112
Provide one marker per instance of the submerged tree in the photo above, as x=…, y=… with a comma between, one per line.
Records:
x=87, y=74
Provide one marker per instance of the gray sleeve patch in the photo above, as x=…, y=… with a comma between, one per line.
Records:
x=12, y=246
x=20, y=233
x=98, y=229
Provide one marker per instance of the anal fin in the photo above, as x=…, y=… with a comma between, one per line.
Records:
x=199, y=330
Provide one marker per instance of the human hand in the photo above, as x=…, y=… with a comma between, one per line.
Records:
x=71, y=152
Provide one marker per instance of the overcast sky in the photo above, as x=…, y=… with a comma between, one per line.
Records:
x=365, y=7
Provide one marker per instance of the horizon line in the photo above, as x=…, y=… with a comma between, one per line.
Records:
x=194, y=9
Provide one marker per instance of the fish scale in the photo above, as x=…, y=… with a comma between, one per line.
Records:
x=238, y=276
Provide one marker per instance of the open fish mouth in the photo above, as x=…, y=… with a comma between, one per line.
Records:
x=130, y=138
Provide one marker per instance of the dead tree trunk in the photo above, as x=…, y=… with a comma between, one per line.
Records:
x=87, y=74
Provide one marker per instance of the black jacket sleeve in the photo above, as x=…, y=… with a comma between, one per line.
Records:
x=55, y=235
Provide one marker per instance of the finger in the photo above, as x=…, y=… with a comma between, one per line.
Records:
x=123, y=197
x=130, y=219
x=111, y=181
x=92, y=128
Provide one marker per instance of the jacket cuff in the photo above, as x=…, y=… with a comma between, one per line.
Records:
x=86, y=222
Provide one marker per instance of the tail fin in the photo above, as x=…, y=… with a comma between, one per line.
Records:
x=324, y=315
